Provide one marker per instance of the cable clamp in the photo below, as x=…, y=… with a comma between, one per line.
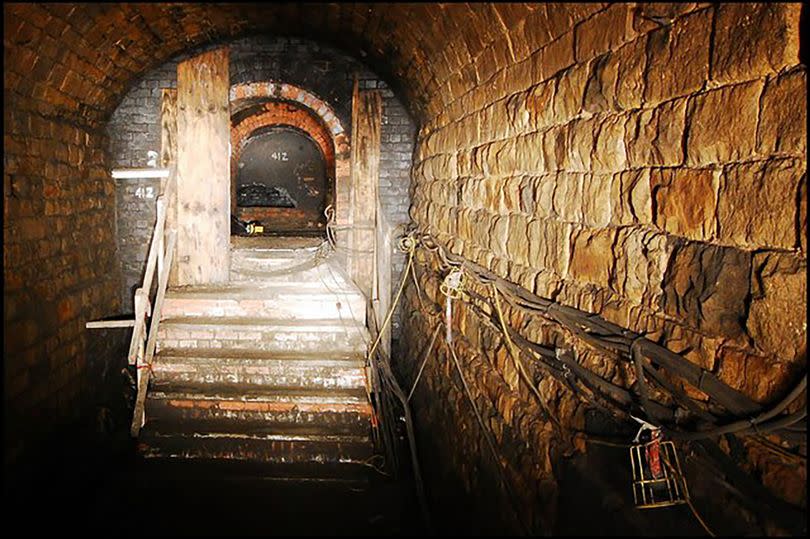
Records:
x=644, y=426
x=453, y=284
x=754, y=424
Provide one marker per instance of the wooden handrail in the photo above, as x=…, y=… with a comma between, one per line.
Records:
x=142, y=346
x=142, y=306
x=145, y=366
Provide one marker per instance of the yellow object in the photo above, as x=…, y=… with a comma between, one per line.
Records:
x=254, y=228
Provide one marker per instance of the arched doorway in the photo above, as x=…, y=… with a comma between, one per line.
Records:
x=283, y=182
x=291, y=150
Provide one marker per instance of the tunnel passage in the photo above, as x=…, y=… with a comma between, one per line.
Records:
x=557, y=147
x=281, y=181
x=282, y=168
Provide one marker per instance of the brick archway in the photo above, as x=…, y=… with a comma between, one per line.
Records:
x=282, y=113
x=287, y=104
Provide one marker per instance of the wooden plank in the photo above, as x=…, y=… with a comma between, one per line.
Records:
x=151, y=343
x=382, y=276
x=154, y=248
x=203, y=165
x=365, y=163
x=96, y=324
x=168, y=159
x=140, y=322
x=168, y=127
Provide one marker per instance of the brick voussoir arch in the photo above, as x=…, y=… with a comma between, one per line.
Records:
x=294, y=106
x=288, y=92
x=283, y=113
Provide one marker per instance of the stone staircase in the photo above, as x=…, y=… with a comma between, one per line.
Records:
x=266, y=371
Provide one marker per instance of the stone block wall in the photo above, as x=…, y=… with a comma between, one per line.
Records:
x=134, y=127
x=646, y=162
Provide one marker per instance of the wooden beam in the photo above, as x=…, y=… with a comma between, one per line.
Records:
x=382, y=277
x=96, y=324
x=168, y=159
x=203, y=165
x=366, y=124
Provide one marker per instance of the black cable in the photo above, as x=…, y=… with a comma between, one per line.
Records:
x=592, y=329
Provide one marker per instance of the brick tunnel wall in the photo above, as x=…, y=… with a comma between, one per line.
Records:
x=59, y=267
x=134, y=129
x=647, y=164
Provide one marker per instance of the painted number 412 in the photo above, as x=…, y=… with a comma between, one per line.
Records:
x=279, y=156
x=145, y=192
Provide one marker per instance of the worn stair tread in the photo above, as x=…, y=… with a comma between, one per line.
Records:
x=302, y=431
x=196, y=401
x=169, y=469
x=305, y=358
x=166, y=468
x=266, y=372
x=244, y=427
x=275, y=242
x=302, y=396
x=187, y=416
x=262, y=324
x=257, y=447
x=268, y=290
x=353, y=439
x=309, y=277
x=294, y=253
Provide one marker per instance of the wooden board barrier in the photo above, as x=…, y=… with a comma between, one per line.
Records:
x=203, y=169
x=365, y=179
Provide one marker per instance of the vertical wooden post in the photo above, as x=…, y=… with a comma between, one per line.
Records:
x=168, y=159
x=366, y=123
x=382, y=277
x=203, y=169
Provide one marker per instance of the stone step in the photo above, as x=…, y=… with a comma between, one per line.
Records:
x=266, y=251
x=317, y=275
x=282, y=302
x=279, y=258
x=166, y=472
x=311, y=336
x=260, y=448
x=276, y=242
x=250, y=371
x=348, y=397
x=197, y=413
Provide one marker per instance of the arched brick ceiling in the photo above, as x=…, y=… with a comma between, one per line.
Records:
x=76, y=61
